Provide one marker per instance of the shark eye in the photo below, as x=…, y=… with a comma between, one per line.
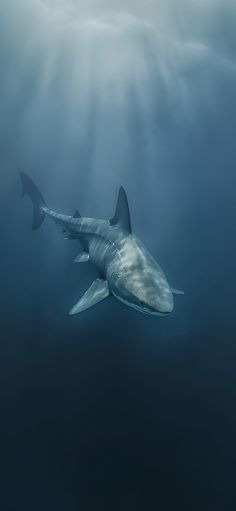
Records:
x=142, y=304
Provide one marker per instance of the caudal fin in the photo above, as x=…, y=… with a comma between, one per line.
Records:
x=30, y=189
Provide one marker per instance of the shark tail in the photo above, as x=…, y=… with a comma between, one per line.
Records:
x=30, y=189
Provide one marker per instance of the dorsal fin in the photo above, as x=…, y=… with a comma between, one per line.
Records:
x=76, y=214
x=122, y=215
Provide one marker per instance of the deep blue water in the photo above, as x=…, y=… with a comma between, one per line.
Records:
x=114, y=410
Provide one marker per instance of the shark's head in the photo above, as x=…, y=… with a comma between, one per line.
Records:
x=145, y=290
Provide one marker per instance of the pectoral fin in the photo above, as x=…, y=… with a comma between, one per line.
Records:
x=177, y=291
x=97, y=292
x=82, y=258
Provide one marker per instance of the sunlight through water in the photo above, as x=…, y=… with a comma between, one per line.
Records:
x=100, y=93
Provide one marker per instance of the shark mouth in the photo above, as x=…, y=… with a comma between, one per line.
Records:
x=141, y=308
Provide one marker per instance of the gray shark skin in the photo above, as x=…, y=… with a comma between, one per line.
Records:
x=126, y=268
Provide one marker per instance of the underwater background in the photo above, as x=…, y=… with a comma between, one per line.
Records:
x=112, y=409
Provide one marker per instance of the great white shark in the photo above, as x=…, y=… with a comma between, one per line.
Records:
x=126, y=268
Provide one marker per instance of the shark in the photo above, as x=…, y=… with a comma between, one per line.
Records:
x=126, y=268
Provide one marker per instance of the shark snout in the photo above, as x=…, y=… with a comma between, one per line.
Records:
x=143, y=290
x=167, y=306
x=159, y=309
x=167, y=309
x=161, y=304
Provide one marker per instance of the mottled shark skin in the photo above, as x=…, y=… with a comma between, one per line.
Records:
x=126, y=268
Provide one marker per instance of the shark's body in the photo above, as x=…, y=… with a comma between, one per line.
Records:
x=127, y=269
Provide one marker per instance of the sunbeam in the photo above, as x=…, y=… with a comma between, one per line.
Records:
x=112, y=409
x=93, y=82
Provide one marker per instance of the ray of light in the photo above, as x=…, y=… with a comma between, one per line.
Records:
x=93, y=92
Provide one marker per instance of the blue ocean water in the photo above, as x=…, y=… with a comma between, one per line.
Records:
x=113, y=409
